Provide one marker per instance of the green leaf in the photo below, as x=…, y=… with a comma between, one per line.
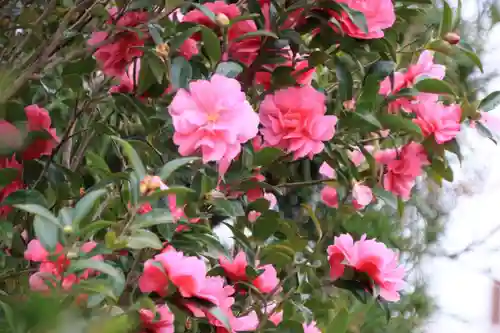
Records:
x=46, y=231
x=176, y=42
x=231, y=208
x=94, y=227
x=434, y=86
x=40, y=211
x=142, y=238
x=221, y=316
x=266, y=156
x=95, y=161
x=446, y=19
x=132, y=156
x=443, y=170
x=386, y=196
x=345, y=80
x=207, y=12
x=490, y=102
x=211, y=45
x=97, y=265
x=315, y=220
x=170, y=167
x=267, y=225
x=258, y=33
x=8, y=175
x=155, y=217
x=368, y=118
x=85, y=206
x=400, y=123
x=25, y=197
x=181, y=73
x=472, y=56
x=229, y=69
x=340, y=322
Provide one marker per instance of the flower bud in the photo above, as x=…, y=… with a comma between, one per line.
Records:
x=452, y=37
x=68, y=229
x=222, y=20
x=162, y=50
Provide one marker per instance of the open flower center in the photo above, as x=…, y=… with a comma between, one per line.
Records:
x=213, y=117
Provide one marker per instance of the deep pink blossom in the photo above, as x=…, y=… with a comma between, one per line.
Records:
x=243, y=50
x=189, y=48
x=160, y=322
x=370, y=257
x=439, y=120
x=39, y=120
x=114, y=56
x=13, y=186
x=235, y=270
x=294, y=119
x=213, y=117
x=403, y=167
x=379, y=15
x=216, y=7
x=301, y=75
x=329, y=196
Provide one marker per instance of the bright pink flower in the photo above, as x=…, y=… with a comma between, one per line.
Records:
x=311, y=328
x=16, y=184
x=213, y=117
x=294, y=120
x=403, y=167
x=268, y=280
x=244, y=50
x=161, y=322
x=425, y=68
x=439, y=120
x=329, y=197
x=128, y=81
x=186, y=273
x=362, y=196
x=379, y=15
x=236, y=269
x=39, y=120
x=126, y=45
x=144, y=208
x=370, y=257
x=189, y=48
x=35, y=251
x=253, y=216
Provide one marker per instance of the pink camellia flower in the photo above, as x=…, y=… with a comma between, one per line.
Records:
x=327, y=171
x=161, y=322
x=53, y=271
x=357, y=156
x=370, y=257
x=362, y=196
x=213, y=117
x=294, y=119
x=186, y=273
x=126, y=45
x=403, y=167
x=424, y=68
x=311, y=328
x=39, y=120
x=16, y=184
x=330, y=197
x=235, y=270
x=268, y=280
x=243, y=50
x=189, y=48
x=379, y=15
x=439, y=120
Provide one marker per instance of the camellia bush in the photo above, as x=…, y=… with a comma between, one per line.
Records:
x=219, y=167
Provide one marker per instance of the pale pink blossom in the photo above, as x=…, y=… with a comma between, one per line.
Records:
x=129, y=80
x=370, y=257
x=403, y=167
x=294, y=119
x=327, y=171
x=425, y=68
x=268, y=280
x=442, y=121
x=213, y=117
x=362, y=195
x=160, y=322
x=379, y=15
x=357, y=156
x=311, y=328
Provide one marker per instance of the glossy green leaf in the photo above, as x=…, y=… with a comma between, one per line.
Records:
x=211, y=45
x=85, y=206
x=39, y=211
x=132, y=157
x=170, y=167
x=142, y=238
x=446, y=19
x=181, y=73
x=229, y=69
x=490, y=102
x=340, y=322
x=434, y=86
